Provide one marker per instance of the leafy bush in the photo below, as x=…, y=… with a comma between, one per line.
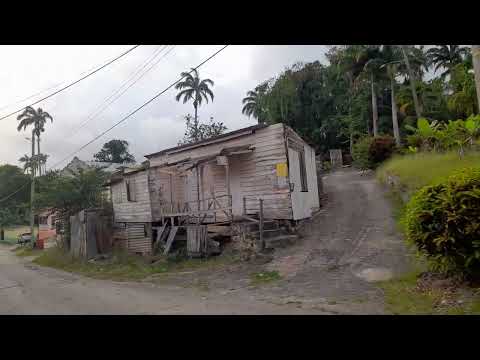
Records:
x=360, y=153
x=369, y=152
x=381, y=148
x=443, y=222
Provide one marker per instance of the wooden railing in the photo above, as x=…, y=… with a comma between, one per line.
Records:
x=260, y=214
x=199, y=209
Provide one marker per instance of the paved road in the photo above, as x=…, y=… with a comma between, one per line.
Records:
x=29, y=289
x=351, y=242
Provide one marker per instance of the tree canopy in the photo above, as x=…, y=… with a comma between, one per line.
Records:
x=70, y=194
x=196, y=131
x=115, y=151
x=13, y=208
x=331, y=105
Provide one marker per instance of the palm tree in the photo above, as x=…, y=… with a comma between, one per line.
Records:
x=26, y=121
x=411, y=79
x=41, y=161
x=27, y=162
x=192, y=88
x=391, y=57
x=446, y=56
x=371, y=67
x=253, y=104
x=38, y=118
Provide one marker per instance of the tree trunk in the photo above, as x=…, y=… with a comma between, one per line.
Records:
x=411, y=77
x=38, y=153
x=396, y=132
x=32, y=191
x=374, y=108
x=476, y=69
x=2, y=234
x=351, y=143
x=196, y=134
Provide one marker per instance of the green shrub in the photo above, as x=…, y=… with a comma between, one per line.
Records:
x=381, y=148
x=443, y=222
x=369, y=152
x=360, y=153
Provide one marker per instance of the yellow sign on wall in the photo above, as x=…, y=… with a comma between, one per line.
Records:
x=282, y=170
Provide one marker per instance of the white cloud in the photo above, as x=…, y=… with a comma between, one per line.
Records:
x=159, y=125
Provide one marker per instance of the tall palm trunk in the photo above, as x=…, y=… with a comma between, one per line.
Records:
x=38, y=153
x=374, y=108
x=476, y=69
x=32, y=190
x=396, y=132
x=411, y=77
x=197, y=134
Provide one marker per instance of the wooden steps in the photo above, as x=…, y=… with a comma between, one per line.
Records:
x=171, y=237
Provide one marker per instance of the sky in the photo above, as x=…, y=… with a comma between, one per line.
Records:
x=27, y=70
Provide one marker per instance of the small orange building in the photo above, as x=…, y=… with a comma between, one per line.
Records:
x=47, y=228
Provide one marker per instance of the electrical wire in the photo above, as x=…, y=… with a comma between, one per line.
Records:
x=73, y=83
x=112, y=98
x=139, y=108
x=123, y=119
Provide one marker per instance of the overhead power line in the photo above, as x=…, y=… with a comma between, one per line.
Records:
x=73, y=83
x=139, y=108
x=124, y=118
x=50, y=87
x=116, y=95
x=15, y=192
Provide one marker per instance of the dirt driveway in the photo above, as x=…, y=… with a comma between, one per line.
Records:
x=330, y=271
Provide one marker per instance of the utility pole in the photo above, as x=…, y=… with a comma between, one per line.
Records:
x=32, y=189
x=476, y=69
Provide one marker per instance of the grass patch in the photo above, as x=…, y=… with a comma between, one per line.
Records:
x=402, y=298
x=264, y=277
x=123, y=267
x=11, y=234
x=27, y=251
x=418, y=170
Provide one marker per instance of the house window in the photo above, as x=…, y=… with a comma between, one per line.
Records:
x=303, y=171
x=130, y=185
x=117, y=190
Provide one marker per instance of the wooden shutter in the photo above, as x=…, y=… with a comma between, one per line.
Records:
x=127, y=188
x=133, y=190
x=303, y=171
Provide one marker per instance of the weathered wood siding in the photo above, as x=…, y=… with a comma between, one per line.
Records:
x=164, y=188
x=257, y=171
x=135, y=238
x=132, y=211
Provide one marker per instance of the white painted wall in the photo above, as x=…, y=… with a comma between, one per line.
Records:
x=303, y=202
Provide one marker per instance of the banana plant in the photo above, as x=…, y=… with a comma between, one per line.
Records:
x=428, y=132
x=472, y=125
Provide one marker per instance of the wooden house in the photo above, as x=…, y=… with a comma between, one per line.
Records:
x=218, y=180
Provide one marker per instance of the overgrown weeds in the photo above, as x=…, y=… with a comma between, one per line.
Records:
x=412, y=295
x=123, y=267
x=264, y=277
x=418, y=170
